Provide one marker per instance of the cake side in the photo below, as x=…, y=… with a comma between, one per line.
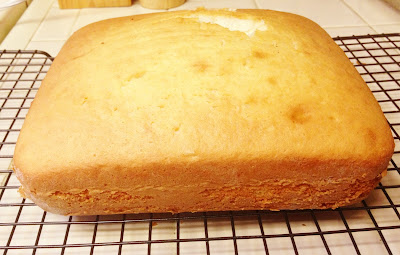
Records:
x=197, y=189
x=227, y=100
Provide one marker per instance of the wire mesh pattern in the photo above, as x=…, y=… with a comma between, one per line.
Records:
x=369, y=227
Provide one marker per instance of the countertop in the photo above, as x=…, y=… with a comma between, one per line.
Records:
x=46, y=27
x=9, y=15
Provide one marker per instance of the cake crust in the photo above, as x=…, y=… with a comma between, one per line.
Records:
x=201, y=110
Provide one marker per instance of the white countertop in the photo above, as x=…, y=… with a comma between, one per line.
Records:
x=9, y=15
x=46, y=27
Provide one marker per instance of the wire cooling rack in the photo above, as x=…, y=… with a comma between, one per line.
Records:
x=370, y=227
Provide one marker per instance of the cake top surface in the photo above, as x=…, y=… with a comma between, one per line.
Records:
x=200, y=86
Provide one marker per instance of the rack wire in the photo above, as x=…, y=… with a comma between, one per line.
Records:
x=369, y=227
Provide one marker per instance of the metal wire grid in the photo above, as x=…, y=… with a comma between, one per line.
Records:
x=372, y=226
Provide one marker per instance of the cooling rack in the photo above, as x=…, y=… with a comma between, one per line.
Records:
x=369, y=227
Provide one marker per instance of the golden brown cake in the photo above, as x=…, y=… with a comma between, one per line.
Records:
x=200, y=111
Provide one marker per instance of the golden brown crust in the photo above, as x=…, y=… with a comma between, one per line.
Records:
x=186, y=104
x=270, y=194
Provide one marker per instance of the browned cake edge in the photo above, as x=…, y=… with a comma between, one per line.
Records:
x=221, y=187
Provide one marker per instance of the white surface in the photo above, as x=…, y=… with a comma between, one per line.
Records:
x=22, y=33
x=10, y=11
x=375, y=12
x=9, y=3
x=249, y=27
x=44, y=26
x=392, y=28
x=327, y=13
x=57, y=25
x=349, y=31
